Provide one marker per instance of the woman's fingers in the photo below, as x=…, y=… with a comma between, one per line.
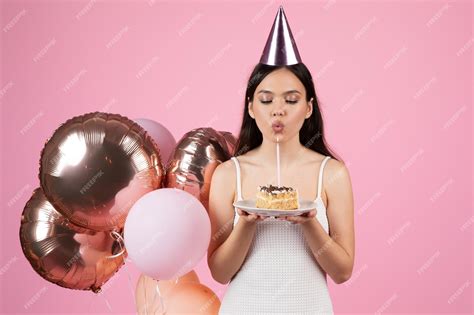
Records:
x=241, y=212
x=247, y=216
x=298, y=218
x=250, y=216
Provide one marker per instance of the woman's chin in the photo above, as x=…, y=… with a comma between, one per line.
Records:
x=278, y=137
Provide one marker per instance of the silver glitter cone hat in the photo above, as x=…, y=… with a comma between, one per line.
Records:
x=280, y=48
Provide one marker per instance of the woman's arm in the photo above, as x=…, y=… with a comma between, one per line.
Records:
x=228, y=246
x=335, y=252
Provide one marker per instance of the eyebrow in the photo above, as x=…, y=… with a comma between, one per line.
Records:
x=287, y=92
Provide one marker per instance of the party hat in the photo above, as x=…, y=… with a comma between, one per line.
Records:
x=280, y=49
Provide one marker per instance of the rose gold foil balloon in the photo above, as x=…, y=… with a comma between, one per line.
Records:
x=230, y=140
x=150, y=294
x=64, y=254
x=96, y=166
x=194, y=160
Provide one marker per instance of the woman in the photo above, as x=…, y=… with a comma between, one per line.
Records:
x=279, y=265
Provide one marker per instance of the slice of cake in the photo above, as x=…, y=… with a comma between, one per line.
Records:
x=277, y=197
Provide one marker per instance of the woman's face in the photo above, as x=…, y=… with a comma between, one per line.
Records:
x=279, y=105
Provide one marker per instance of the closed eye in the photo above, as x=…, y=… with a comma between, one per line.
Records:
x=289, y=102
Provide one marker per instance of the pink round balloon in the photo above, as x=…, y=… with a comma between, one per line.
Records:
x=167, y=233
x=161, y=135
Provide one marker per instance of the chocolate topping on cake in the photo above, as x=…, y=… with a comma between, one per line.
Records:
x=275, y=189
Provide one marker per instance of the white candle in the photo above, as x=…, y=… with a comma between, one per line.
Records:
x=278, y=162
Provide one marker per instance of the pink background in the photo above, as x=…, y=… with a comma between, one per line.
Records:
x=394, y=80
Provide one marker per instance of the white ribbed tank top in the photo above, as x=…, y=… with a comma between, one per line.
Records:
x=279, y=274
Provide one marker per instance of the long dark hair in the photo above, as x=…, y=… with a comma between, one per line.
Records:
x=311, y=133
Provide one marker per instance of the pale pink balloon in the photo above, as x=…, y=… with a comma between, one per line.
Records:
x=161, y=135
x=167, y=233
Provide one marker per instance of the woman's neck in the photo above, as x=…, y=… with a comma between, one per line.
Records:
x=290, y=150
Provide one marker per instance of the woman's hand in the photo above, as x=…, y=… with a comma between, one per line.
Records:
x=250, y=217
x=298, y=219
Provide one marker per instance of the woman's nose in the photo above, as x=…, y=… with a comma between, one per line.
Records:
x=278, y=107
x=278, y=110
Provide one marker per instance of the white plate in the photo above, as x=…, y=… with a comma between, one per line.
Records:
x=249, y=206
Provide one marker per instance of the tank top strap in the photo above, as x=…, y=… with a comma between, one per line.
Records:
x=238, y=184
x=320, y=177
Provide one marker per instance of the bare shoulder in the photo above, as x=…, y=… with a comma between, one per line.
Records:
x=226, y=167
x=335, y=172
x=335, y=176
x=337, y=186
x=225, y=174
